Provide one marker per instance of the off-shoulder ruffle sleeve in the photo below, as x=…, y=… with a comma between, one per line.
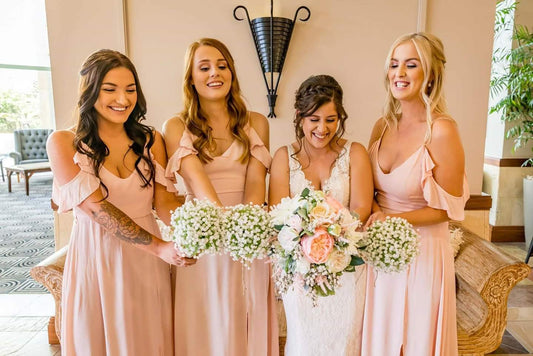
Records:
x=437, y=197
x=185, y=149
x=160, y=174
x=258, y=148
x=74, y=192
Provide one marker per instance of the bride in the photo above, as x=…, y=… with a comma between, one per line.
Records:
x=321, y=159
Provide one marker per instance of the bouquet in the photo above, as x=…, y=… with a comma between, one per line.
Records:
x=195, y=228
x=317, y=241
x=247, y=233
x=391, y=245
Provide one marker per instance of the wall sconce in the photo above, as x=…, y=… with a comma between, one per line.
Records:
x=272, y=36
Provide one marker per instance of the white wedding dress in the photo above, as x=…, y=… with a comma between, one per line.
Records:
x=333, y=327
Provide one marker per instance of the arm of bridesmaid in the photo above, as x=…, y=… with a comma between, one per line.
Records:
x=191, y=168
x=361, y=182
x=255, y=183
x=279, y=177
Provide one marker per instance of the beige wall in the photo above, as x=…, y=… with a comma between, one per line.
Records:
x=347, y=39
x=75, y=30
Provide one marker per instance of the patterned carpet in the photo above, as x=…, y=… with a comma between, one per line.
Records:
x=26, y=233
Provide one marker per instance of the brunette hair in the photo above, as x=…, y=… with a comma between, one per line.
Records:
x=314, y=92
x=87, y=139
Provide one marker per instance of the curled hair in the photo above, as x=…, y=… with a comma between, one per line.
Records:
x=314, y=92
x=432, y=59
x=194, y=118
x=87, y=140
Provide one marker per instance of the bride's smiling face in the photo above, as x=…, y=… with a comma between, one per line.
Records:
x=320, y=127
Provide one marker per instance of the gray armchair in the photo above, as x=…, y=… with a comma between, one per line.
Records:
x=30, y=146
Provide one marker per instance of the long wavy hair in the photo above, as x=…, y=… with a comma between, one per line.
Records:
x=314, y=92
x=432, y=59
x=192, y=114
x=87, y=140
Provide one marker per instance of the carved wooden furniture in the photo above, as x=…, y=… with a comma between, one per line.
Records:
x=485, y=277
x=27, y=169
x=50, y=274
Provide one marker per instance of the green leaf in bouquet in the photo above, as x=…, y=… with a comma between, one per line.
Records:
x=306, y=232
x=356, y=261
x=289, y=264
x=278, y=227
x=303, y=213
x=323, y=293
x=305, y=193
x=350, y=268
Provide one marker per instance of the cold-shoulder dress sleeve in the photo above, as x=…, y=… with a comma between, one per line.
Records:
x=185, y=149
x=74, y=192
x=160, y=174
x=258, y=148
x=439, y=198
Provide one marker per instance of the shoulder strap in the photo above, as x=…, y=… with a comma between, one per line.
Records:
x=293, y=162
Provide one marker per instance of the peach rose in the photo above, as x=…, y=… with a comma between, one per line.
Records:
x=334, y=204
x=320, y=211
x=317, y=248
x=338, y=261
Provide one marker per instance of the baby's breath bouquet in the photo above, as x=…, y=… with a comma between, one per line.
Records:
x=391, y=246
x=247, y=233
x=317, y=241
x=195, y=228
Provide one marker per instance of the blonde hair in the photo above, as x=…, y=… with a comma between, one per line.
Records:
x=192, y=115
x=432, y=59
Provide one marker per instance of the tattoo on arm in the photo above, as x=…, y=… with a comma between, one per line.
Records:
x=120, y=225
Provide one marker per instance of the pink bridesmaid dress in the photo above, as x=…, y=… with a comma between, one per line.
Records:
x=221, y=308
x=415, y=308
x=117, y=299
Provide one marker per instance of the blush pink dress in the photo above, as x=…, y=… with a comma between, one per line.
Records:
x=117, y=299
x=221, y=308
x=415, y=308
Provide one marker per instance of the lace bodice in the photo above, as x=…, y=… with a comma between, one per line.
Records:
x=338, y=183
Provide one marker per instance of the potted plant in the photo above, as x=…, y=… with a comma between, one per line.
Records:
x=514, y=88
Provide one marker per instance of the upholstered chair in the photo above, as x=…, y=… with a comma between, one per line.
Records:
x=30, y=146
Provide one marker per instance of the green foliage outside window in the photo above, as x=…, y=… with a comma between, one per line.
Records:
x=515, y=81
x=19, y=110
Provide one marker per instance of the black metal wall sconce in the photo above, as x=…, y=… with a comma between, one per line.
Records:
x=272, y=36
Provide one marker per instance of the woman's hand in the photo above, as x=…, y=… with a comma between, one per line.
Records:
x=169, y=254
x=377, y=216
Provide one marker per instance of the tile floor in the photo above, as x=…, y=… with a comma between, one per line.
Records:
x=24, y=319
x=24, y=325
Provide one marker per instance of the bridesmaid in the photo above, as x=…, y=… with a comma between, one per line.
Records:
x=108, y=170
x=419, y=175
x=221, y=151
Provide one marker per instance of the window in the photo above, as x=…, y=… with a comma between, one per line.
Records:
x=25, y=82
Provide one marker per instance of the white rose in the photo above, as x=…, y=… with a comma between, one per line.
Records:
x=287, y=238
x=353, y=237
x=286, y=207
x=338, y=261
x=294, y=222
x=302, y=266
